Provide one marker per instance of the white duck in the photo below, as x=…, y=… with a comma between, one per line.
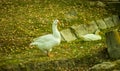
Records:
x=91, y=37
x=47, y=42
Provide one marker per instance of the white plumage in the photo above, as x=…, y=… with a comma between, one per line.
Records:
x=47, y=42
x=91, y=37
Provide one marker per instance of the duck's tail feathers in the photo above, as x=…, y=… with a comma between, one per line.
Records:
x=33, y=43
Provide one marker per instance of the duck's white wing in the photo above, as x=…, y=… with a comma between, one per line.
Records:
x=44, y=38
x=91, y=37
x=46, y=42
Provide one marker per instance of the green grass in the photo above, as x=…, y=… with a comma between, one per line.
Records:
x=21, y=21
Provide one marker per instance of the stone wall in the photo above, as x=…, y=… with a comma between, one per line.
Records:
x=74, y=32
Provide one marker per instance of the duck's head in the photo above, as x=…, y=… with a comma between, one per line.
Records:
x=98, y=32
x=56, y=21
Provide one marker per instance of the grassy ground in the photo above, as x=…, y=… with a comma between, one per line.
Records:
x=21, y=21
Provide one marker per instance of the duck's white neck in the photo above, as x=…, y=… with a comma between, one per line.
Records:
x=97, y=32
x=56, y=33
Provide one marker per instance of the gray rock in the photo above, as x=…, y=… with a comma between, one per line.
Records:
x=71, y=15
x=113, y=43
x=115, y=0
x=116, y=70
x=109, y=22
x=68, y=35
x=117, y=61
x=101, y=24
x=97, y=3
x=62, y=38
x=92, y=3
x=104, y=65
x=101, y=4
x=79, y=30
x=85, y=29
x=91, y=27
x=116, y=20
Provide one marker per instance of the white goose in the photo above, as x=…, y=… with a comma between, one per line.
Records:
x=91, y=37
x=47, y=42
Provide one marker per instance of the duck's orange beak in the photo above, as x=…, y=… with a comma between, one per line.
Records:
x=58, y=22
x=101, y=33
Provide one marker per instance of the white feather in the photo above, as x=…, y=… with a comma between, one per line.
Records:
x=47, y=42
x=91, y=37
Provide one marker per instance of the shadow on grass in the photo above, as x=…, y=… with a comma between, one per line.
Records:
x=79, y=63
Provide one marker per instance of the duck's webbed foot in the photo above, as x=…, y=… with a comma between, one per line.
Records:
x=49, y=54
